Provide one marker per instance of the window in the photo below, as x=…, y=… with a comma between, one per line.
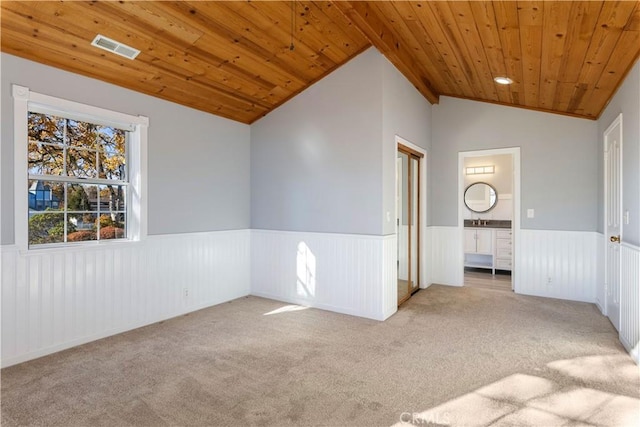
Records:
x=77, y=180
x=82, y=179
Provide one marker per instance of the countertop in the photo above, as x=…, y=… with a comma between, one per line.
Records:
x=490, y=223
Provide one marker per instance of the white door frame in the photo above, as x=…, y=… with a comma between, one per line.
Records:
x=515, y=152
x=614, y=123
x=422, y=224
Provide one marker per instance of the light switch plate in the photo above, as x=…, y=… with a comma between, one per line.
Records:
x=530, y=213
x=625, y=217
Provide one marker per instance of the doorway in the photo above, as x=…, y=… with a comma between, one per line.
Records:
x=408, y=215
x=489, y=217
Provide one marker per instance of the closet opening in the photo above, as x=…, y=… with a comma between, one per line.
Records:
x=408, y=207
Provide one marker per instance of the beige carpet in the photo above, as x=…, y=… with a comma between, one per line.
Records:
x=450, y=356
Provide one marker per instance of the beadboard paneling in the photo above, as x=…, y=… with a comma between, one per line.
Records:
x=569, y=258
x=446, y=259
x=557, y=264
x=630, y=299
x=338, y=272
x=56, y=299
x=601, y=290
x=389, y=275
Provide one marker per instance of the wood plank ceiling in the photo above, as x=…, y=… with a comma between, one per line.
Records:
x=233, y=58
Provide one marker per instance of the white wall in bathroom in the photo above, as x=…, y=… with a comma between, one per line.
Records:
x=501, y=180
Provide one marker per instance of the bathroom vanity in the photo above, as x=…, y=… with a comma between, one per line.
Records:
x=488, y=244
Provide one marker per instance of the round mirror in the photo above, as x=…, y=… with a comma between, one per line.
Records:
x=480, y=197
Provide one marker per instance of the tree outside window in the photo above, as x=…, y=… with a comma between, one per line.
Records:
x=77, y=180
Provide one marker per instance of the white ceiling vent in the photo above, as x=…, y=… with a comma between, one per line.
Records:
x=116, y=47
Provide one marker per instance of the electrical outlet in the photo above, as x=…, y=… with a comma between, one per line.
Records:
x=548, y=281
x=185, y=292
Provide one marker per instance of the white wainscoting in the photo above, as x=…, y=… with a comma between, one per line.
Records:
x=630, y=299
x=56, y=299
x=445, y=262
x=344, y=273
x=569, y=258
x=389, y=275
x=601, y=290
x=557, y=264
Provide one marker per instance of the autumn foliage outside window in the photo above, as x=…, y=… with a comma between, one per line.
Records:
x=77, y=180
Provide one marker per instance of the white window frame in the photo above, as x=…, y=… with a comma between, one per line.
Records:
x=24, y=100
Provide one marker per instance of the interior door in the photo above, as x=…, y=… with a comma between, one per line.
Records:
x=402, y=229
x=613, y=217
x=414, y=238
x=408, y=222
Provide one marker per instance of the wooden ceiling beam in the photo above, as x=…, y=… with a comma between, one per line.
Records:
x=382, y=37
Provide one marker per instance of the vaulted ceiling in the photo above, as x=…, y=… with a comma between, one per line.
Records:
x=233, y=58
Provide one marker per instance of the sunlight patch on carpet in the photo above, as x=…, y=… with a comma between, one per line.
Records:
x=286, y=309
x=528, y=400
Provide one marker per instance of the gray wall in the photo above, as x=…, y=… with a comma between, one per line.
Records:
x=407, y=114
x=198, y=168
x=325, y=161
x=627, y=102
x=559, y=161
x=316, y=160
x=501, y=180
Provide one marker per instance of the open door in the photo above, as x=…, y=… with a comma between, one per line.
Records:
x=613, y=217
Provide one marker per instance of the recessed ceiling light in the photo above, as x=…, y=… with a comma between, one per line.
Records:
x=115, y=47
x=503, y=80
